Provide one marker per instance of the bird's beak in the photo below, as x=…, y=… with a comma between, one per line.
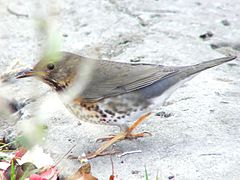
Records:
x=25, y=73
x=29, y=73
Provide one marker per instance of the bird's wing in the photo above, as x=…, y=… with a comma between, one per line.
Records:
x=111, y=78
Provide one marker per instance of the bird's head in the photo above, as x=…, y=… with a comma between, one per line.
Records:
x=57, y=70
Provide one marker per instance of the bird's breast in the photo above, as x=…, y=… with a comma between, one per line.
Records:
x=116, y=110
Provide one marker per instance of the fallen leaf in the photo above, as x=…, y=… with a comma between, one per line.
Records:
x=20, y=153
x=83, y=173
x=13, y=167
x=36, y=177
x=49, y=173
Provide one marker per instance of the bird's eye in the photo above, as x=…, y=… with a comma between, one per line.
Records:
x=50, y=66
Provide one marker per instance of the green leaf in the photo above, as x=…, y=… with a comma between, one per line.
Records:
x=146, y=173
x=13, y=175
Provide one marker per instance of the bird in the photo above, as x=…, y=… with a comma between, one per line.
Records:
x=112, y=93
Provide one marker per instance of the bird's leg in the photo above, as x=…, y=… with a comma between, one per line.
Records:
x=136, y=123
x=121, y=136
x=129, y=130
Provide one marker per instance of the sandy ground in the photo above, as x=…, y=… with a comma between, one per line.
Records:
x=199, y=140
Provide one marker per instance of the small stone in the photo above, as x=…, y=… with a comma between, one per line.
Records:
x=206, y=35
x=232, y=64
x=137, y=59
x=164, y=114
x=225, y=22
x=212, y=110
x=135, y=171
x=198, y=3
x=214, y=46
x=124, y=42
x=224, y=102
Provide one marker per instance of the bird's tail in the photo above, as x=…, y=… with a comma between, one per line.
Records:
x=191, y=70
x=172, y=81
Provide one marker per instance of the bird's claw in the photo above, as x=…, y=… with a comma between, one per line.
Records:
x=105, y=138
x=128, y=136
x=94, y=154
x=138, y=135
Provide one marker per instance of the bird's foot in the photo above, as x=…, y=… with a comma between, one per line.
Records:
x=105, y=138
x=95, y=154
x=121, y=136
x=90, y=155
x=128, y=136
x=128, y=133
x=102, y=151
x=138, y=135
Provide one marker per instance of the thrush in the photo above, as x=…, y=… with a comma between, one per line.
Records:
x=113, y=93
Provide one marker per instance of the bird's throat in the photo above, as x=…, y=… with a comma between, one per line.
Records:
x=55, y=85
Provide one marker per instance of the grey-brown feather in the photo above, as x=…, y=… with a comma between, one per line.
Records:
x=110, y=78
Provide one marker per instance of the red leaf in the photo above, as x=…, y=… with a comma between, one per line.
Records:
x=36, y=177
x=20, y=152
x=51, y=173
